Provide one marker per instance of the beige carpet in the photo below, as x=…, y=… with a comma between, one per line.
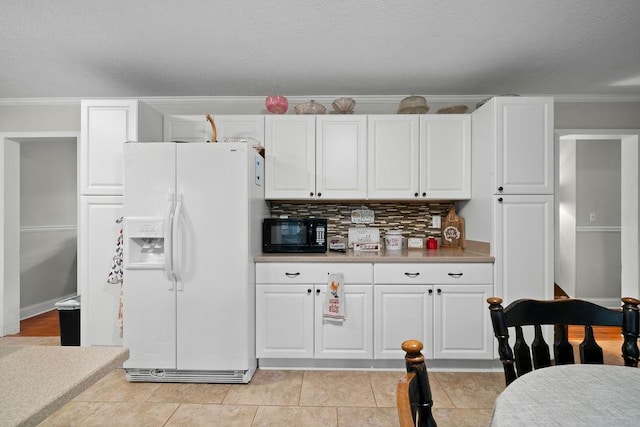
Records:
x=38, y=379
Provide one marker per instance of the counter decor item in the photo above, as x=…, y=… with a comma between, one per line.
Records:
x=432, y=243
x=454, y=109
x=413, y=105
x=415, y=243
x=393, y=240
x=276, y=104
x=452, y=230
x=343, y=105
x=311, y=107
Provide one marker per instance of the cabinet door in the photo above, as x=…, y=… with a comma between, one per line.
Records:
x=97, y=237
x=524, y=145
x=104, y=127
x=445, y=157
x=352, y=338
x=341, y=157
x=524, y=247
x=290, y=157
x=393, y=157
x=402, y=312
x=462, y=323
x=284, y=321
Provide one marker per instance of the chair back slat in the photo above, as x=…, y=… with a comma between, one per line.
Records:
x=562, y=348
x=560, y=313
x=522, y=353
x=590, y=351
x=540, y=350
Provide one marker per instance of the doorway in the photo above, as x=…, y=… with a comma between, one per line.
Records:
x=39, y=220
x=596, y=238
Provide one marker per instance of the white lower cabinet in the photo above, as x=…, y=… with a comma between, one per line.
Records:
x=442, y=305
x=289, y=321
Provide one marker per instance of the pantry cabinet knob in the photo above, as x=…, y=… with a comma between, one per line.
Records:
x=317, y=291
x=319, y=194
x=430, y=291
x=311, y=194
x=308, y=291
x=439, y=291
x=500, y=199
x=415, y=194
x=500, y=189
x=424, y=194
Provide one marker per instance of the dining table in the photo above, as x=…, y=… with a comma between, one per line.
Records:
x=571, y=395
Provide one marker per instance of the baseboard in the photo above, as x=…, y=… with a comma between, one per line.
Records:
x=41, y=307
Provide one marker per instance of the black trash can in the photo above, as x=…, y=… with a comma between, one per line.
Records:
x=69, y=316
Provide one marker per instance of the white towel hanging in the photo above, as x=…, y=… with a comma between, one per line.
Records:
x=334, y=300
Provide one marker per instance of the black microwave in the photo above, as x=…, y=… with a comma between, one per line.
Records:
x=294, y=235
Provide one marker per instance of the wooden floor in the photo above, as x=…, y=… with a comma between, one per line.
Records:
x=43, y=325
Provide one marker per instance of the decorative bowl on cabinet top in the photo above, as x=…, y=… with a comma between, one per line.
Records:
x=311, y=107
x=343, y=105
x=413, y=105
x=276, y=104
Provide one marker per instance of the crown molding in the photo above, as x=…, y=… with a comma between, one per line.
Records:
x=323, y=99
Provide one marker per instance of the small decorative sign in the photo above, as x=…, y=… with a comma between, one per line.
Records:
x=453, y=230
x=362, y=216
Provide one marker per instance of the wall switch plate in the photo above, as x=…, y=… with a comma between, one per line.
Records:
x=435, y=221
x=592, y=216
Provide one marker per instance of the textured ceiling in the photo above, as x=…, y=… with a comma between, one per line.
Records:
x=115, y=48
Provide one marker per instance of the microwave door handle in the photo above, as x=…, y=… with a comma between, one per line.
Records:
x=168, y=245
x=310, y=233
x=175, y=254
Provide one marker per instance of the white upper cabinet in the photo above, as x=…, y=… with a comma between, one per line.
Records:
x=290, y=157
x=445, y=156
x=315, y=157
x=523, y=145
x=104, y=127
x=341, y=157
x=393, y=157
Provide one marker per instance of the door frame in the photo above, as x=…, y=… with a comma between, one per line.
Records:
x=10, y=221
x=630, y=195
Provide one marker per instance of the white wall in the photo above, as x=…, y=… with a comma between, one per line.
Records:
x=48, y=223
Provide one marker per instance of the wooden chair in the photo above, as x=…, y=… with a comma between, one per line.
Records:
x=414, y=393
x=560, y=313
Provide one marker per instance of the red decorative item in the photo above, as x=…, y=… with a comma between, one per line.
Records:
x=276, y=104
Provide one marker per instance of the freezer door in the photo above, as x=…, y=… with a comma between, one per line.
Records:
x=213, y=297
x=149, y=295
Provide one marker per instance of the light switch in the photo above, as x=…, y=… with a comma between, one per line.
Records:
x=592, y=216
x=435, y=221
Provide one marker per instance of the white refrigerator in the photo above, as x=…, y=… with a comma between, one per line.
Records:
x=192, y=226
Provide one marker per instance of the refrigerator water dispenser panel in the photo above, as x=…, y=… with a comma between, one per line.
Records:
x=144, y=244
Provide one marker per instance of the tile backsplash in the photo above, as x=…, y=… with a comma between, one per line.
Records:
x=413, y=219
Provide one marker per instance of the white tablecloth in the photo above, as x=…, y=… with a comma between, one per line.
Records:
x=571, y=395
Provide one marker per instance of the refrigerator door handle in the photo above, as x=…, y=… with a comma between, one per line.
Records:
x=174, y=241
x=168, y=245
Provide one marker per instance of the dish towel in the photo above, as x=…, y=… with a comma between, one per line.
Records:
x=334, y=301
x=115, y=273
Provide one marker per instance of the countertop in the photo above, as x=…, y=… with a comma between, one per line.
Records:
x=474, y=253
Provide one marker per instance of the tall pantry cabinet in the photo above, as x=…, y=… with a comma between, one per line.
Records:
x=105, y=126
x=512, y=198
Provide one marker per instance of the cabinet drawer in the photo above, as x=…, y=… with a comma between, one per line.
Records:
x=452, y=273
x=283, y=273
